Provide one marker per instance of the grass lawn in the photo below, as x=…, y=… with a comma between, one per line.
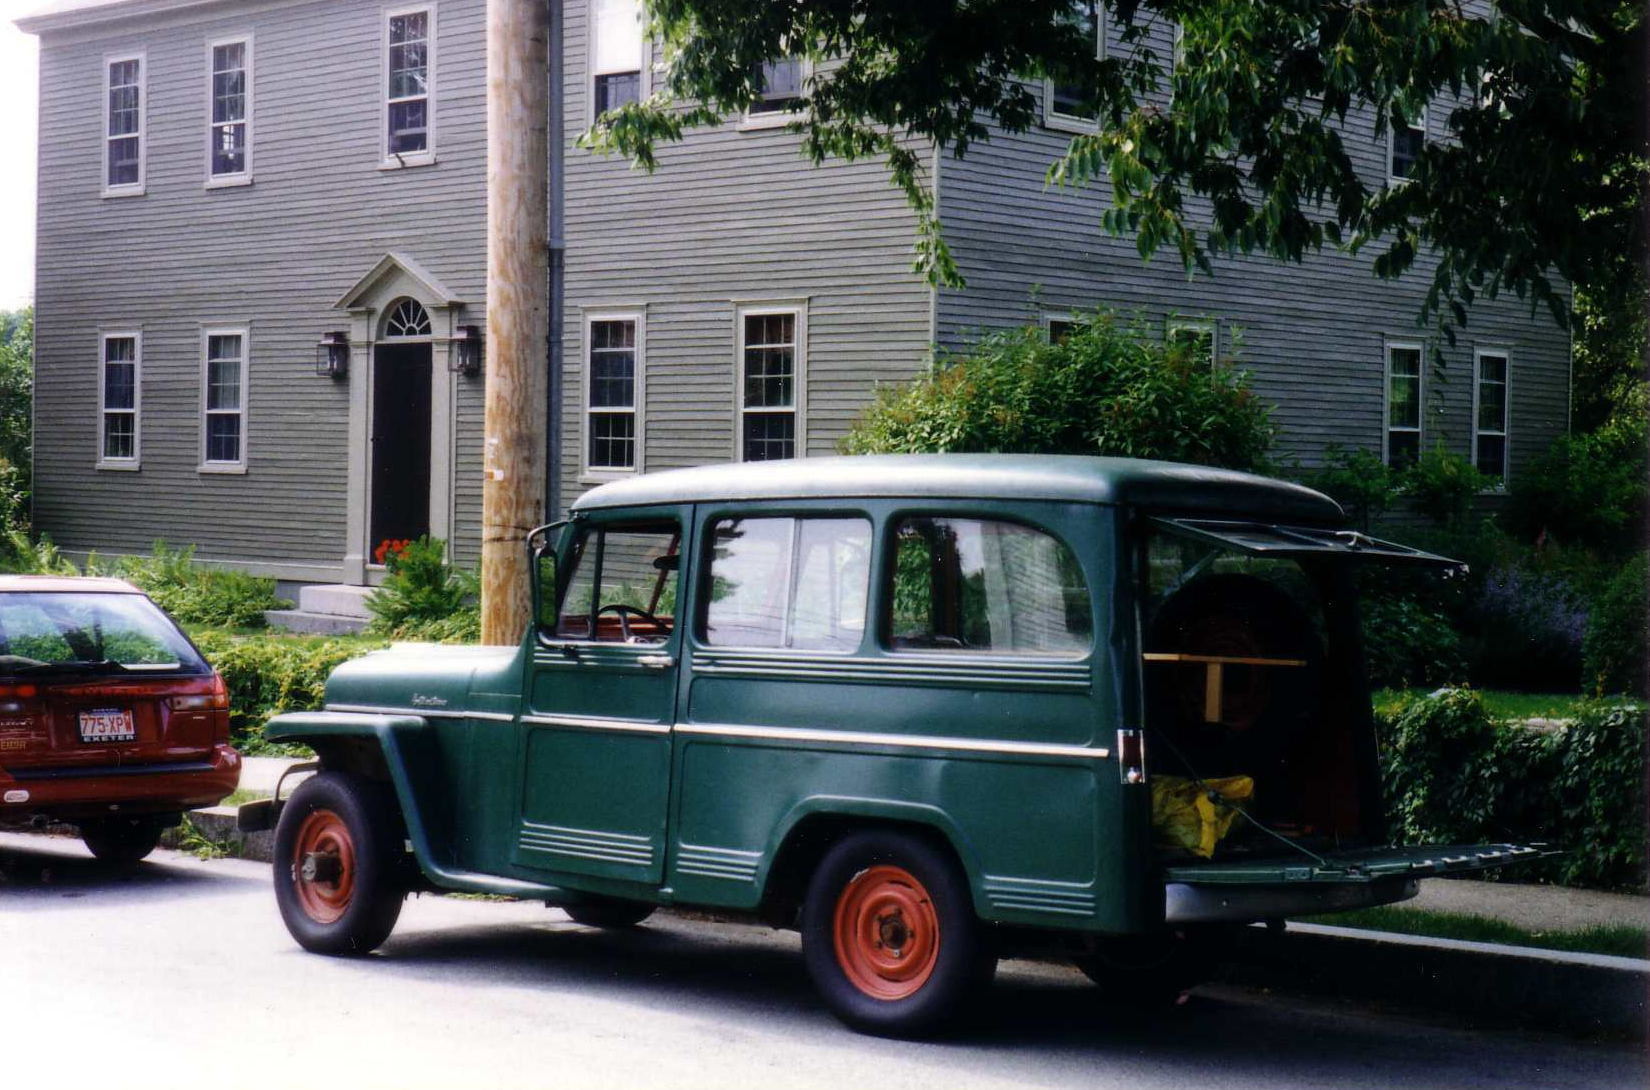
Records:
x=1622, y=940
x=1499, y=703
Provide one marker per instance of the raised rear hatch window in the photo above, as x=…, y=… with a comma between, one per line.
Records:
x=60, y=632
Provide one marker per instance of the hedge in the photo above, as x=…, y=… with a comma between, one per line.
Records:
x=266, y=675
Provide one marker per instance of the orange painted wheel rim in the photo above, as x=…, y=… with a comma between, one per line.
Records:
x=326, y=896
x=886, y=932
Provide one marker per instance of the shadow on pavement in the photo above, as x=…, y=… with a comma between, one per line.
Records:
x=55, y=869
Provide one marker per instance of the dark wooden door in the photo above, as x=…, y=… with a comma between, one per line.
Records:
x=400, y=442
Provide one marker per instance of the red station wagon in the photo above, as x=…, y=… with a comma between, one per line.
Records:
x=109, y=717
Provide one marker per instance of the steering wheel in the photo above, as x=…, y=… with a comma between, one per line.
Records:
x=625, y=612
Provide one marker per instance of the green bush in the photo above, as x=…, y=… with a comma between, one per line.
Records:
x=423, y=596
x=1452, y=773
x=1408, y=643
x=1588, y=489
x=1358, y=480
x=1108, y=388
x=193, y=594
x=266, y=674
x=1443, y=486
x=1613, y=650
x=18, y=553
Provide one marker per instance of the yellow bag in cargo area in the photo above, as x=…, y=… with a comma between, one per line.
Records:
x=1186, y=817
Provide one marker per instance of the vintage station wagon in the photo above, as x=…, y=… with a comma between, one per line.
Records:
x=926, y=709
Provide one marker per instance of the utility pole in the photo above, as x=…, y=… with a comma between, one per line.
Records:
x=517, y=348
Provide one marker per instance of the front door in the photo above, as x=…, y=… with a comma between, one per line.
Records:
x=596, y=733
x=400, y=443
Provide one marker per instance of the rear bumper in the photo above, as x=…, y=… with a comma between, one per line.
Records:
x=1184, y=903
x=72, y=794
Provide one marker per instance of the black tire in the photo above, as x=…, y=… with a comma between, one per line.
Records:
x=1155, y=970
x=879, y=878
x=124, y=841
x=609, y=912
x=346, y=901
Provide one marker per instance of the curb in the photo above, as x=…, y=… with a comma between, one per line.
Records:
x=1583, y=994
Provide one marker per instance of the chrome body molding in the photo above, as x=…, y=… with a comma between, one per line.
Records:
x=1037, y=895
x=594, y=844
x=725, y=863
x=597, y=722
x=427, y=713
x=962, y=669
x=1184, y=902
x=904, y=741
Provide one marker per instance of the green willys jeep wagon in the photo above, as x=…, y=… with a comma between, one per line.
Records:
x=926, y=709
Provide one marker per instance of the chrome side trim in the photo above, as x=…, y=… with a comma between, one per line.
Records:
x=593, y=844
x=905, y=668
x=427, y=713
x=596, y=722
x=908, y=741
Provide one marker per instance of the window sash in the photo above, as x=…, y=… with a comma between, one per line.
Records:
x=1404, y=144
x=119, y=398
x=616, y=50
x=123, y=105
x=230, y=93
x=409, y=42
x=782, y=81
x=1490, y=412
x=768, y=384
x=223, y=398
x=1064, y=101
x=612, y=379
x=1403, y=404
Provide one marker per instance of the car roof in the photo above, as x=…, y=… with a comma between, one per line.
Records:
x=65, y=584
x=1056, y=477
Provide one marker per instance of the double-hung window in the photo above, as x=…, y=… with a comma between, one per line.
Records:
x=1196, y=337
x=612, y=392
x=229, y=120
x=1403, y=404
x=781, y=86
x=123, y=118
x=1065, y=102
x=616, y=48
x=119, y=400
x=771, y=358
x=409, y=106
x=1405, y=139
x=1489, y=415
x=223, y=401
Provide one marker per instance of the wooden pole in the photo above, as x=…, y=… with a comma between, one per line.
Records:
x=512, y=497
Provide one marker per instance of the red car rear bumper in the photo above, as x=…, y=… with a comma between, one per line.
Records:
x=70, y=794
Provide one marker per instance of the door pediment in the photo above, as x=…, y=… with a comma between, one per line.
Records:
x=396, y=275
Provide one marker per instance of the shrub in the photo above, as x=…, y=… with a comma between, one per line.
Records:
x=1454, y=774
x=1443, y=486
x=1614, y=650
x=1527, y=629
x=1358, y=480
x=423, y=596
x=1106, y=389
x=1588, y=489
x=265, y=675
x=193, y=594
x=1407, y=643
x=32, y=557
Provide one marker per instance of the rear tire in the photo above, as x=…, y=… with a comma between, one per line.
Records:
x=889, y=935
x=124, y=841
x=609, y=912
x=1151, y=969
x=339, y=882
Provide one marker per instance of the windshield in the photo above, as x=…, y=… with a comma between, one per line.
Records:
x=75, y=632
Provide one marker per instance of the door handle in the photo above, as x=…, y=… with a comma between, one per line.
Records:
x=655, y=662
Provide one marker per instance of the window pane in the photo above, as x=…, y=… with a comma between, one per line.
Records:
x=223, y=437
x=1492, y=407
x=1404, y=388
x=978, y=585
x=412, y=27
x=409, y=70
x=612, y=440
x=617, y=89
x=229, y=149
x=120, y=383
x=1198, y=342
x=778, y=582
x=1492, y=455
x=749, y=584
x=781, y=82
x=769, y=436
x=407, y=126
x=1066, y=97
x=223, y=384
x=123, y=161
x=1402, y=448
x=636, y=600
x=119, y=435
x=613, y=365
x=618, y=31
x=832, y=584
x=1407, y=143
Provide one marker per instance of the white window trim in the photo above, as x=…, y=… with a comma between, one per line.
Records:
x=776, y=119
x=799, y=381
x=644, y=65
x=1386, y=398
x=207, y=333
x=135, y=462
x=1505, y=469
x=1175, y=323
x=1391, y=135
x=1059, y=122
x=589, y=474
x=427, y=157
x=242, y=177
x=138, y=188
x=1052, y=316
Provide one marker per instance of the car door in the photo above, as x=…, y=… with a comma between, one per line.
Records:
x=601, y=702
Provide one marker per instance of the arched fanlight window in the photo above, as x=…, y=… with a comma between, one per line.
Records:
x=407, y=319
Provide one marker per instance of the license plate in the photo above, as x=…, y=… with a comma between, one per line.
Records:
x=107, y=725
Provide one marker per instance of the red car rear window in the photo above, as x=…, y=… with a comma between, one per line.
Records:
x=51, y=632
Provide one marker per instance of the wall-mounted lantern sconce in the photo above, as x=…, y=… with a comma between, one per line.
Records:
x=466, y=357
x=332, y=355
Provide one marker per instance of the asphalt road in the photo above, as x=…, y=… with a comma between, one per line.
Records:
x=180, y=975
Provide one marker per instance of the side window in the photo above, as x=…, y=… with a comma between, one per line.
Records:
x=783, y=582
x=621, y=584
x=985, y=585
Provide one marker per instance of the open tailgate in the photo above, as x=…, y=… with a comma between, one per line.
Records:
x=1362, y=865
x=1299, y=542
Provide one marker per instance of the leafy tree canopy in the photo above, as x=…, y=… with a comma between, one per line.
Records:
x=1538, y=183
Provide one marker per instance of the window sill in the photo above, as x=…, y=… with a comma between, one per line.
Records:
x=119, y=467
x=1080, y=126
x=408, y=162
x=777, y=119
x=125, y=191
x=227, y=468
x=229, y=181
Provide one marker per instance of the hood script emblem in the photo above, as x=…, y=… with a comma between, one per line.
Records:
x=421, y=701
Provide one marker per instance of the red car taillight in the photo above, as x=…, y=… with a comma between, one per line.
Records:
x=12, y=697
x=216, y=699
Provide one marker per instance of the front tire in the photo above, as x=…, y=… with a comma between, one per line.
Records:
x=338, y=879
x=889, y=935
x=124, y=841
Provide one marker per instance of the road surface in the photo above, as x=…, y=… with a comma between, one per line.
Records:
x=179, y=975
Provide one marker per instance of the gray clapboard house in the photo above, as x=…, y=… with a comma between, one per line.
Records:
x=261, y=280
